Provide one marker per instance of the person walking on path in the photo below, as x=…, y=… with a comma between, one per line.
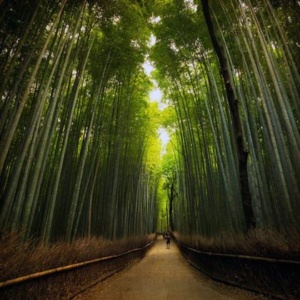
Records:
x=168, y=241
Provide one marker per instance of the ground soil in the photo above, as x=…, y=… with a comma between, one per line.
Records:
x=164, y=274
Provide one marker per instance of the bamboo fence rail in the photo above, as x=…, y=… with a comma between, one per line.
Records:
x=21, y=279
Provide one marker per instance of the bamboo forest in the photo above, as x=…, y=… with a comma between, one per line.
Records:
x=122, y=118
x=125, y=120
x=80, y=153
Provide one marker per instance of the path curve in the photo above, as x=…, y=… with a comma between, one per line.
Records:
x=163, y=274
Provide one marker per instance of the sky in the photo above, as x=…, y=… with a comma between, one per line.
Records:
x=156, y=95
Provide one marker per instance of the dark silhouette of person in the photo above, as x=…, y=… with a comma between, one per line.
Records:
x=168, y=241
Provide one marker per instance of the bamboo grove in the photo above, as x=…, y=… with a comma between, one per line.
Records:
x=75, y=127
x=259, y=56
x=78, y=135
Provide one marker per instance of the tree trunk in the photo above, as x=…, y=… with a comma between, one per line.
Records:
x=236, y=121
x=171, y=199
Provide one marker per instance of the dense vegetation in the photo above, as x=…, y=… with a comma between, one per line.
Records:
x=80, y=154
x=232, y=75
x=76, y=158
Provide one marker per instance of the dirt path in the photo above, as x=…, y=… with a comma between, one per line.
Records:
x=163, y=274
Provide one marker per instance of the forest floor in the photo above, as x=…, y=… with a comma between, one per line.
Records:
x=164, y=274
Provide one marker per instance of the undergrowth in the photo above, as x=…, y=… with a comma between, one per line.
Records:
x=265, y=243
x=19, y=258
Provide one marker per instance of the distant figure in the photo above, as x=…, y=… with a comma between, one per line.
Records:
x=168, y=241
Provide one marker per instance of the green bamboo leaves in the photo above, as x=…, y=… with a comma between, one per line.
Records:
x=75, y=121
x=77, y=131
x=261, y=69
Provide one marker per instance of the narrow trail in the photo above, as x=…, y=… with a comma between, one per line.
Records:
x=163, y=274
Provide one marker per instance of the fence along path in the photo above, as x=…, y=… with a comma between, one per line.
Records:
x=163, y=274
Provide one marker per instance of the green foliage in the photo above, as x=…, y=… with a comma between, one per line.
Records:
x=87, y=115
x=162, y=208
x=252, y=37
x=80, y=153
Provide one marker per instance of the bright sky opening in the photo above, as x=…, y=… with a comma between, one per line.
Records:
x=148, y=67
x=156, y=95
x=152, y=40
x=164, y=137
